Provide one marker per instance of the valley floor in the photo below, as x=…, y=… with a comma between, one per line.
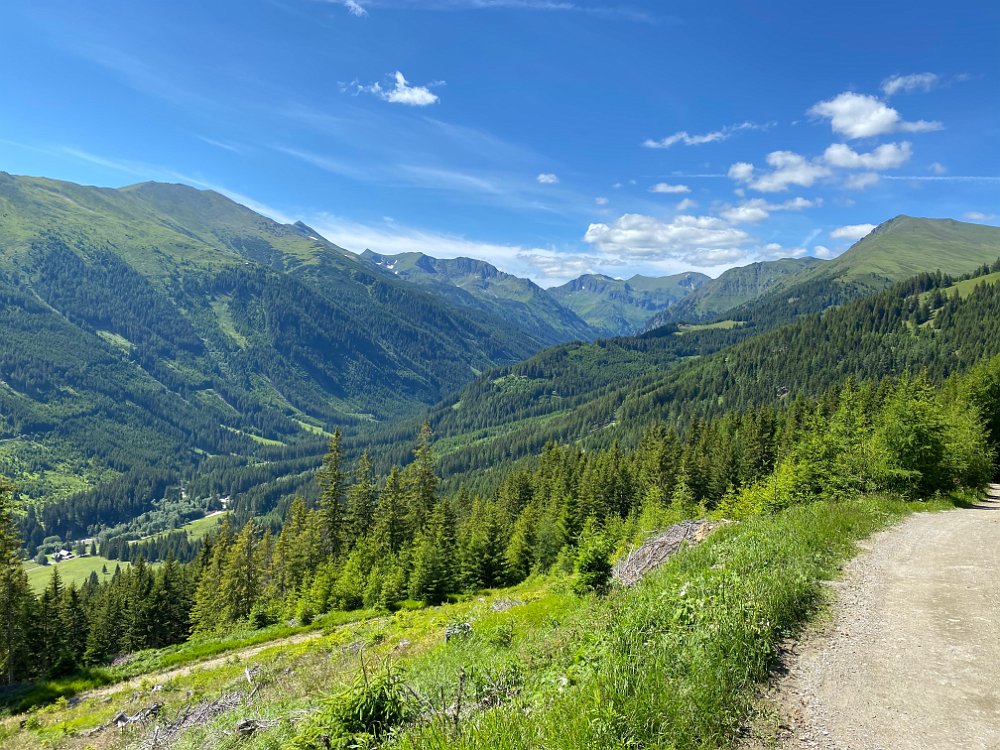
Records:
x=910, y=656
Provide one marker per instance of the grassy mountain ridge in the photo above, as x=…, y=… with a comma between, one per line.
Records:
x=618, y=307
x=477, y=285
x=163, y=325
x=733, y=288
x=575, y=392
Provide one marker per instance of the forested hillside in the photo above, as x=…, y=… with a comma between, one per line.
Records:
x=604, y=391
x=156, y=327
x=617, y=307
x=735, y=287
x=477, y=285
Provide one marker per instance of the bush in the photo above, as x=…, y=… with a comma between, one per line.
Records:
x=358, y=717
x=593, y=567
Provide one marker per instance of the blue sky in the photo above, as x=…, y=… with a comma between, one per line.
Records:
x=550, y=137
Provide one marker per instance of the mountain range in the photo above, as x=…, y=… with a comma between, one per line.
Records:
x=158, y=328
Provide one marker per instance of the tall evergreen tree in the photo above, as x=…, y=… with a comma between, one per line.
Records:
x=332, y=481
x=362, y=499
x=435, y=562
x=240, y=576
x=421, y=481
x=15, y=594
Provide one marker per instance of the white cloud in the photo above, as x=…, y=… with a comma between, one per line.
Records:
x=741, y=171
x=938, y=168
x=758, y=209
x=359, y=7
x=714, y=136
x=686, y=205
x=852, y=232
x=775, y=251
x=909, y=83
x=788, y=168
x=864, y=116
x=696, y=240
x=547, y=179
x=354, y=8
x=750, y=212
x=402, y=92
x=886, y=156
x=823, y=252
x=601, y=201
x=862, y=180
x=978, y=216
x=545, y=266
x=664, y=187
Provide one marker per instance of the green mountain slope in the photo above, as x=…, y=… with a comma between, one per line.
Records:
x=477, y=285
x=159, y=326
x=898, y=249
x=735, y=287
x=619, y=307
x=574, y=392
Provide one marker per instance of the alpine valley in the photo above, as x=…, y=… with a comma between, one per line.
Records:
x=286, y=495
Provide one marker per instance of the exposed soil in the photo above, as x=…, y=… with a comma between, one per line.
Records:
x=910, y=655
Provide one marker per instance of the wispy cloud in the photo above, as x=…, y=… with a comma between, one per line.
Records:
x=547, y=178
x=401, y=92
x=852, y=232
x=353, y=7
x=361, y=8
x=944, y=177
x=667, y=188
x=224, y=145
x=688, y=139
x=909, y=83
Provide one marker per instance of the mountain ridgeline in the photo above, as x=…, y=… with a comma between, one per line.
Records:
x=785, y=344
x=158, y=326
x=617, y=307
x=164, y=344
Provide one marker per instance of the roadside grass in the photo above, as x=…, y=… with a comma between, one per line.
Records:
x=675, y=662
x=152, y=661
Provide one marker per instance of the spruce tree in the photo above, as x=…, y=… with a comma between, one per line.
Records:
x=421, y=482
x=15, y=594
x=240, y=578
x=362, y=499
x=435, y=561
x=390, y=532
x=332, y=482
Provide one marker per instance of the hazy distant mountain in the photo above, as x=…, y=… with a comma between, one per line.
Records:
x=478, y=285
x=619, y=307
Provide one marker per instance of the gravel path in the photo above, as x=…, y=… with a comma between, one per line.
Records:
x=911, y=658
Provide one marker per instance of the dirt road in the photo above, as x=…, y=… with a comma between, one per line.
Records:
x=911, y=657
x=199, y=666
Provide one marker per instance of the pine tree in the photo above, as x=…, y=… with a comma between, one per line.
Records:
x=240, y=578
x=362, y=499
x=208, y=609
x=421, y=482
x=15, y=594
x=332, y=482
x=435, y=563
x=389, y=532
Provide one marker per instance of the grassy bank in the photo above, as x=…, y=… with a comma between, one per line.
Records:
x=676, y=661
x=673, y=663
